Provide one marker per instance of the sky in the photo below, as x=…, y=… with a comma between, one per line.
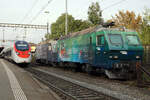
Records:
x=19, y=11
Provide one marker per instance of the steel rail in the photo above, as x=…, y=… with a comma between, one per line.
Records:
x=54, y=88
x=67, y=90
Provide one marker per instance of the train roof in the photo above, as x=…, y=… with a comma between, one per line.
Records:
x=47, y=41
x=22, y=41
x=85, y=31
x=95, y=29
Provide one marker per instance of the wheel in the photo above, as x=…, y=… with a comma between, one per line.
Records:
x=83, y=68
x=61, y=64
x=54, y=64
x=89, y=69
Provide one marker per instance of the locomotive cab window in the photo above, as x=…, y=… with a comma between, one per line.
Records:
x=115, y=39
x=100, y=40
x=133, y=40
x=22, y=46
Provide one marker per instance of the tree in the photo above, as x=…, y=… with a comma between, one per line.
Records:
x=58, y=28
x=95, y=14
x=147, y=15
x=128, y=19
x=80, y=25
x=145, y=27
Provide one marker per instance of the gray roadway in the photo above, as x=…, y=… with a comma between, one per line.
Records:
x=17, y=84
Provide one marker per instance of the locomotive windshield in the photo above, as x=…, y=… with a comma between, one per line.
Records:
x=132, y=40
x=115, y=39
x=22, y=45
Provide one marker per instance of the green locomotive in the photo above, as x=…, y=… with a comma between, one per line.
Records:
x=114, y=51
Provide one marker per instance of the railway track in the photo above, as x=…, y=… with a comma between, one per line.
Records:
x=68, y=90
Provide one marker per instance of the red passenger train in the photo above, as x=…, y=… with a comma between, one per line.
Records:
x=20, y=52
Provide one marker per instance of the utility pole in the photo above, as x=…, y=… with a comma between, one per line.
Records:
x=66, y=25
x=3, y=36
x=47, y=28
x=25, y=33
x=47, y=12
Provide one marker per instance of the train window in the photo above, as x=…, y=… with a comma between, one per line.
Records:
x=54, y=48
x=62, y=45
x=9, y=53
x=115, y=39
x=100, y=40
x=22, y=46
x=49, y=47
x=90, y=40
x=132, y=40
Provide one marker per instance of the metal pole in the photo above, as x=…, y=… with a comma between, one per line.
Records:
x=47, y=27
x=66, y=25
x=47, y=12
x=24, y=37
x=3, y=36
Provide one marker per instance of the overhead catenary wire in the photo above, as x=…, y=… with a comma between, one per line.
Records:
x=42, y=9
x=114, y=4
x=29, y=11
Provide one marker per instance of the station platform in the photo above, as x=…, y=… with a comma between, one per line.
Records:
x=17, y=84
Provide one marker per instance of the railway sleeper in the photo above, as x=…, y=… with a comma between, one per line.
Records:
x=75, y=95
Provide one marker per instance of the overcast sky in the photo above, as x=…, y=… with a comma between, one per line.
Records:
x=14, y=11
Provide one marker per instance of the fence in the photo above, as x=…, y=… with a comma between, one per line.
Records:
x=146, y=57
x=145, y=68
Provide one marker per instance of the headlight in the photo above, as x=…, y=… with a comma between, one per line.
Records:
x=137, y=57
x=113, y=57
x=29, y=53
x=116, y=57
x=110, y=57
x=123, y=52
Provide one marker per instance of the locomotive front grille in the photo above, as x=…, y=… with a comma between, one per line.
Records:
x=124, y=64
